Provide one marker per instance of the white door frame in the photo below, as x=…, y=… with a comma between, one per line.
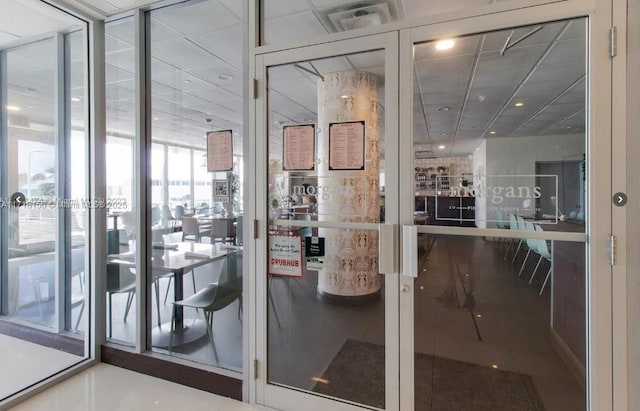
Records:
x=599, y=310
x=280, y=397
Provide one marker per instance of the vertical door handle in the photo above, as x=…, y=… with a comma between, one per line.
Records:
x=410, y=251
x=387, y=249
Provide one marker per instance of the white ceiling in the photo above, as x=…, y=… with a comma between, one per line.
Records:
x=460, y=96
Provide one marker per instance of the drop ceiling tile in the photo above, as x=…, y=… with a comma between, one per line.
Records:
x=464, y=46
x=275, y=8
x=225, y=43
x=115, y=74
x=196, y=17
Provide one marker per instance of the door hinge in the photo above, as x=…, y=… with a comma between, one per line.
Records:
x=613, y=41
x=255, y=369
x=255, y=88
x=255, y=229
x=613, y=245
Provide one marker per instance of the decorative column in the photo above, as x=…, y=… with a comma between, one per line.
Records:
x=350, y=269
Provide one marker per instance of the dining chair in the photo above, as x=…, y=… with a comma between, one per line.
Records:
x=191, y=231
x=215, y=296
x=167, y=219
x=580, y=216
x=500, y=224
x=156, y=216
x=573, y=215
x=222, y=230
x=119, y=284
x=179, y=213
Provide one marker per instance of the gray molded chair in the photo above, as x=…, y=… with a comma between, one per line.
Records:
x=573, y=215
x=513, y=225
x=215, y=296
x=192, y=231
x=520, y=225
x=222, y=230
x=117, y=284
x=167, y=219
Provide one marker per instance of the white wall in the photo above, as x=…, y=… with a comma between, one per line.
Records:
x=518, y=156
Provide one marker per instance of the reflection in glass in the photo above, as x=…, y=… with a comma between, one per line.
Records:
x=499, y=142
x=490, y=328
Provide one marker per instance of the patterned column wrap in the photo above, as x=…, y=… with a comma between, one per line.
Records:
x=351, y=256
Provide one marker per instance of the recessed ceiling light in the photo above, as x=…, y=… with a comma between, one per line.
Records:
x=479, y=315
x=494, y=366
x=75, y=98
x=443, y=134
x=225, y=77
x=445, y=44
x=441, y=146
x=519, y=104
x=187, y=81
x=443, y=109
x=156, y=118
x=492, y=132
x=13, y=108
x=344, y=96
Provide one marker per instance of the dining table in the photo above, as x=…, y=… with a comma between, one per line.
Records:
x=178, y=259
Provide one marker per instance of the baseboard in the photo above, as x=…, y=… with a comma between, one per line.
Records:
x=171, y=371
x=572, y=362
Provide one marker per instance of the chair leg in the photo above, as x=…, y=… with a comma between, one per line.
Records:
x=516, y=253
x=157, y=284
x=110, y=317
x=166, y=294
x=506, y=254
x=172, y=328
x=524, y=262
x=79, y=315
x=208, y=319
x=128, y=306
x=535, y=270
x=545, y=280
x=273, y=304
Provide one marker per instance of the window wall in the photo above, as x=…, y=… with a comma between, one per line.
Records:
x=43, y=187
x=195, y=88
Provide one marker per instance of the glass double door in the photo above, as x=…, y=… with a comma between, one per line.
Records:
x=425, y=223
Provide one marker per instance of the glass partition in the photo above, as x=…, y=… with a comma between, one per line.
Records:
x=43, y=167
x=120, y=179
x=196, y=265
x=500, y=143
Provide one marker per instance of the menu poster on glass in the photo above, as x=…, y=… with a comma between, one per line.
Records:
x=285, y=255
x=346, y=145
x=221, y=191
x=220, y=150
x=299, y=147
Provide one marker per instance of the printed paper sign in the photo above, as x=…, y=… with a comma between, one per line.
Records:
x=299, y=147
x=220, y=150
x=346, y=145
x=285, y=255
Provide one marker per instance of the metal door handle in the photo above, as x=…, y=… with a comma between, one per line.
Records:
x=410, y=251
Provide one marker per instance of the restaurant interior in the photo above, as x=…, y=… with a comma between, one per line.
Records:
x=498, y=142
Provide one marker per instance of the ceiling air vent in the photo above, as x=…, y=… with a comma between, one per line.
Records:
x=358, y=15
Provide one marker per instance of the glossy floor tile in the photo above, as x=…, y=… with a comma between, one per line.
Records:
x=29, y=363
x=105, y=388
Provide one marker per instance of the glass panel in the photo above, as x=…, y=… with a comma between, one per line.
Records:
x=499, y=142
x=283, y=21
x=121, y=183
x=77, y=217
x=42, y=277
x=502, y=132
x=326, y=305
x=196, y=88
x=179, y=171
x=500, y=324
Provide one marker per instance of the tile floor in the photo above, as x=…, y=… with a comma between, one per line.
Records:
x=105, y=388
